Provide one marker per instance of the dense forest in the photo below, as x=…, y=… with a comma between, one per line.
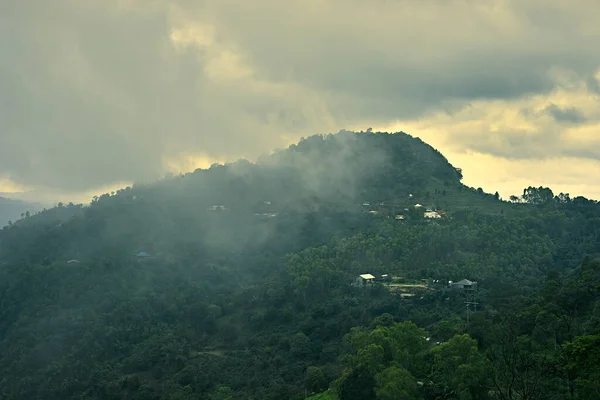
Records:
x=242, y=281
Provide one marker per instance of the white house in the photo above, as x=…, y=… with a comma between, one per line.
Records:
x=431, y=214
x=462, y=285
x=364, y=280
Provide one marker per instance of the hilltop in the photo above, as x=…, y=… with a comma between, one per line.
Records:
x=321, y=170
x=325, y=185
x=339, y=171
x=236, y=282
x=334, y=171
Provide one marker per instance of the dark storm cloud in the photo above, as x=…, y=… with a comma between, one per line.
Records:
x=565, y=114
x=97, y=92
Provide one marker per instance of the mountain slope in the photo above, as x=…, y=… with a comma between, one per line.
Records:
x=249, y=280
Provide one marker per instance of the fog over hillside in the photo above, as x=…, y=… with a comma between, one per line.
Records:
x=179, y=219
x=349, y=266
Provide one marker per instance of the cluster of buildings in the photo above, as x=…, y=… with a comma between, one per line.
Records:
x=365, y=280
x=428, y=213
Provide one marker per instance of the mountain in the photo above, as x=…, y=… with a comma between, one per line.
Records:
x=239, y=282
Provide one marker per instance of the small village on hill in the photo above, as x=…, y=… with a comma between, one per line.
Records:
x=410, y=288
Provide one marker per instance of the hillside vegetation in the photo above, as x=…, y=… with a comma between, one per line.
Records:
x=244, y=285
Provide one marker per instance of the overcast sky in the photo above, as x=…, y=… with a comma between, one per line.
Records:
x=95, y=94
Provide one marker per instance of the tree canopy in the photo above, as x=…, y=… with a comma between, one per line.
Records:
x=239, y=282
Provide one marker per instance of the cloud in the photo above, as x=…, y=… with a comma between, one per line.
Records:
x=566, y=114
x=96, y=93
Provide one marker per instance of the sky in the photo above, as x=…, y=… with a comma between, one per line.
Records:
x=97, y=94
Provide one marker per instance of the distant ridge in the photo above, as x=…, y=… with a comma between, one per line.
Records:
x=11, y=209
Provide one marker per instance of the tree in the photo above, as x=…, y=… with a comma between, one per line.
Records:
x=222, y=392
x=371, y=357
x=396, y=383
x=563, y=198
x=460, y=369
x=300, y=345
x=520, y=372
x=315, y=380
x=538, y=196
x=358, y=384
x=447, y=328
x=386, y=320
x=583, y=366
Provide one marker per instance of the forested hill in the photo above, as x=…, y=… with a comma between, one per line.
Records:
x=239, y=282
x=321, y=171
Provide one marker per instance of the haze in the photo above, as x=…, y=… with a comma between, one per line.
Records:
x=97, y=94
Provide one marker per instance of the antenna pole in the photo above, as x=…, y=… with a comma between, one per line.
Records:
x=468, y=304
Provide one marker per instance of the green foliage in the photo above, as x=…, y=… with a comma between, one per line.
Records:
x=315, y=380
x=458, y=368
x=584, y=365
x=447, y=328
x=254, y=300
x=358, y=384
x=394, y=383
x=328, y=395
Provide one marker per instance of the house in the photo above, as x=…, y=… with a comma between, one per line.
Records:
x=266, y=215
x=431, y=214
x=384, y=278
x=364, y=280
x=465, y=284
